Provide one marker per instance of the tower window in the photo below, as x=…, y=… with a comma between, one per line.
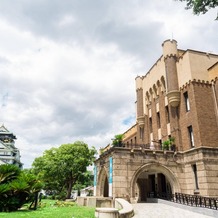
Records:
x=141, y=132
x=191, y=136
x=158, y=119
x=167, y=114
x=187, y=105
x=194, y=167
x=160, y=144
x=150, y=124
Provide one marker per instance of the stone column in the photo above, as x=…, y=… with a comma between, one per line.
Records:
x=170, y=54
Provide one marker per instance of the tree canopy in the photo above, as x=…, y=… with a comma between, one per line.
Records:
x=61, y=168
x=200, y=6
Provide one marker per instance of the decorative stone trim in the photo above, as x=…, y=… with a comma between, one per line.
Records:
x=174, y=98
x=198, y=82
x=141, y=121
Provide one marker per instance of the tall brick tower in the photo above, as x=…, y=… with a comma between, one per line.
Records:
x=170, y=54
x=141, y=115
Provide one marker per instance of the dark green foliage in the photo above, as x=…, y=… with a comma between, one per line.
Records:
x=86, y=179
x=8, y=173
x=60, y=196
x=16, y=187
x=169, y=144
x=117, y=141
x=166, y=145
x=200, y=6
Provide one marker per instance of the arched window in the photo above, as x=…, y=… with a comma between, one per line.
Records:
x=163, y=84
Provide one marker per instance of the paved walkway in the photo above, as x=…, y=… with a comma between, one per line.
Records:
x=160, y=210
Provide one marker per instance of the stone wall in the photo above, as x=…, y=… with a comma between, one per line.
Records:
x=177, y=167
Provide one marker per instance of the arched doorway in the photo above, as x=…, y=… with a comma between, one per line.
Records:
x=153, y=180
x=103, y=186
x=152, y=184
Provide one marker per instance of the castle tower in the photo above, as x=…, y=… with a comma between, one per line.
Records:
x=9, y=154
x=170, y=54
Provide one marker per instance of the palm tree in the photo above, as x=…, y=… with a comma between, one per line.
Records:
x=8, y=172
x=117, y=141
x=16, y=187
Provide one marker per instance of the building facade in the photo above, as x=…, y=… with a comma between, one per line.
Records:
x=9, y=154
x=173, y=147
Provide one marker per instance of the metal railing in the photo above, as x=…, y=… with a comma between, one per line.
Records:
x=186, y=199
x=141, y=146
x=196, y=200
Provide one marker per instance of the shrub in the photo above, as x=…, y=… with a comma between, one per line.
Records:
x=16, y=188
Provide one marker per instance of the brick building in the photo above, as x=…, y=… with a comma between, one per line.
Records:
x=173, y=147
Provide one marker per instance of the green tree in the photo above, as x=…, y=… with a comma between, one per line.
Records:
x=86, y=179
x=49, y=170
x=200, y=6
x=61, y=168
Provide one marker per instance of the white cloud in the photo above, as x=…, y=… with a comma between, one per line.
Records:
x=66, y=20
x=68, y=68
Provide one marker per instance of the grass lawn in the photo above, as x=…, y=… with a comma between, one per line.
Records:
x=49, y=209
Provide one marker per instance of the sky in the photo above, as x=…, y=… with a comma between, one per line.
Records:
x=68, y=67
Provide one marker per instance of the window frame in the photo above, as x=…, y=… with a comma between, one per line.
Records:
x=167, y=114
x=195, y=170
x=141, y=133
x=150, y=125
x=187, y=102
x=158, y=120
x=191, y=136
